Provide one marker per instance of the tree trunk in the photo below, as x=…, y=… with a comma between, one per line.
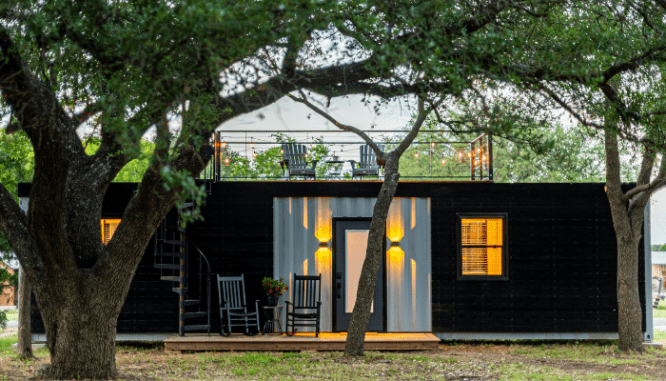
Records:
x=366, y=286
x=24, y=345
x=82, y=341
x=629, y=311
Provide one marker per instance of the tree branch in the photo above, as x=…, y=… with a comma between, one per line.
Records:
x=658, y=181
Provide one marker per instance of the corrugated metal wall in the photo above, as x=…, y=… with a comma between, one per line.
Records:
x=302, y=223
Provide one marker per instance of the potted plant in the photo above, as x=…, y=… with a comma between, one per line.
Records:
x=274, y=288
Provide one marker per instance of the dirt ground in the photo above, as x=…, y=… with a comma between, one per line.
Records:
x=453, y=361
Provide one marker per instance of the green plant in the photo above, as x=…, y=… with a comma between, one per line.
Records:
x=274, y=287
x=3, y=319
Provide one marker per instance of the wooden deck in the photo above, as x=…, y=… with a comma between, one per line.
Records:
x=326, y=341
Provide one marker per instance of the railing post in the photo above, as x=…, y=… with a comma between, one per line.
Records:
x=490, y=157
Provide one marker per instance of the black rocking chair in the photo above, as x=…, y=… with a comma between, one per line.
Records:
x=306, y=303
x=231, y=292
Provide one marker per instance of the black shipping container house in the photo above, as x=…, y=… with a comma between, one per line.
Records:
x=463, y=260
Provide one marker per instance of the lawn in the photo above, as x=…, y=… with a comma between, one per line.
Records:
x=660, y=311
x=12, y=315
x=501, y=360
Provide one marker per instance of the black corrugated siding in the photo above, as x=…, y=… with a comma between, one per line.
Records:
x=562, y=254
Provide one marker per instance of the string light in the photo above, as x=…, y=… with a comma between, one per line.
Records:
x=432, y=144
x=224, y=144
x=254, y=153
x=251, y=144
x=282, y=150
x=227, y=161
x=416, y=154
x=443, y=161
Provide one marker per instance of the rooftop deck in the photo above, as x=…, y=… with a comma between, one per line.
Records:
x=258, y=155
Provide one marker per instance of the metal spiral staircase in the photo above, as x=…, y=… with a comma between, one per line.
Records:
x=172, y=257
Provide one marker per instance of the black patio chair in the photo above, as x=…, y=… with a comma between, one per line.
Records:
x=297, y=164
x=305, y=306
x=231, y=292
x=367, y=165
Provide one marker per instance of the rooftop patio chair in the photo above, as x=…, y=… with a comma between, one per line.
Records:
x=305, y=308
x=367, y=165
x=294, y=156
x=231, y=291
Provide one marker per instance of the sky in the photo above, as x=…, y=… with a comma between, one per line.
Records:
x=658, y=218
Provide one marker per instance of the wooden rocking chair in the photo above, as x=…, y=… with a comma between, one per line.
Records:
x=297, y=164
x=306, y=303
x=231, y=292
x=367, y=165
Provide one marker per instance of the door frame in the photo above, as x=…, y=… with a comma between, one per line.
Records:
x=382, y=268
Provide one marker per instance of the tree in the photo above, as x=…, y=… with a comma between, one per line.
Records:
x=615, y=94
x=376, y=236
x=124, y=68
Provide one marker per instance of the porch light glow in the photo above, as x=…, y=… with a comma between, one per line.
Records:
x=395, y=227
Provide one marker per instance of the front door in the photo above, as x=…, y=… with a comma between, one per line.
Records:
x=351, y=242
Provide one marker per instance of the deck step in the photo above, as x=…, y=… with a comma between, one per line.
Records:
x=168, y=267
x=172, y=254
x=171, y=278
x=193, y=315
x=189, y=328
x=174, y=242
x=188, y=303
x=178, y=290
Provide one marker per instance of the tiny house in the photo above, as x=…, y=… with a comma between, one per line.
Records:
x=462, y=260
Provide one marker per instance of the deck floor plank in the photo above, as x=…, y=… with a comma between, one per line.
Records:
x=302, y=342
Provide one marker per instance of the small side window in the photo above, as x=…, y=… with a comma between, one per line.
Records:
x=482, y=252
x=108, y=228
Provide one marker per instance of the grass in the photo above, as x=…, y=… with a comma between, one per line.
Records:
x=660, y=311
x=544, y=361
x=588, y=352
x=12, y=315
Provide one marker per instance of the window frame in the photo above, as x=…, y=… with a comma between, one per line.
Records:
x=505, y=246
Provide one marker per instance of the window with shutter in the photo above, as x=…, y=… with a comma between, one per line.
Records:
x=482, y=250
x=108, y=228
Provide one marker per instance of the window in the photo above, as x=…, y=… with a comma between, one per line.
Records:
x=482, y=250
x=108, y=228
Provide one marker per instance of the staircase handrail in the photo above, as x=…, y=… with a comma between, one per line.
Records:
x=208, y=275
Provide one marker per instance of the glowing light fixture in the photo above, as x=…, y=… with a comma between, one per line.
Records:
x=227, y=161
x=416, y=154
x=252, y=144
x=432, y=144
x=443, y=161
x=224, y=144
x=254, y=153
x=282, y=150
